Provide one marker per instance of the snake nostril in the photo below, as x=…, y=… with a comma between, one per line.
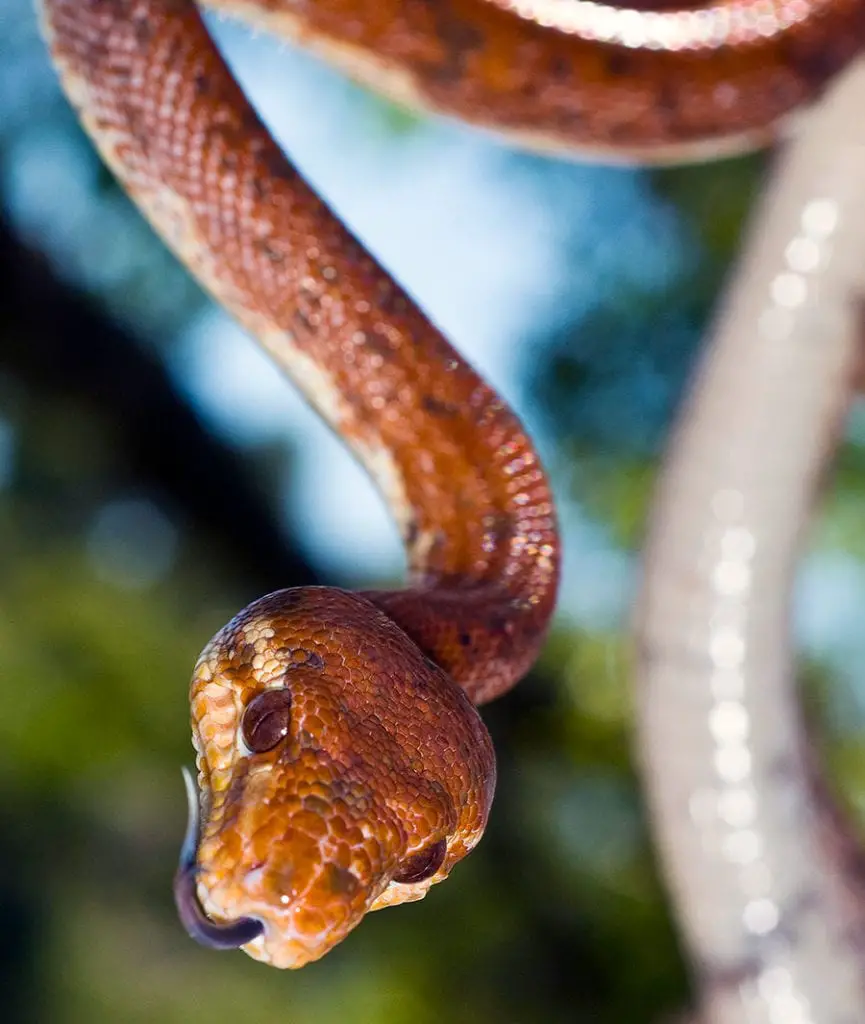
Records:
x=266, y=720
x=422, y=865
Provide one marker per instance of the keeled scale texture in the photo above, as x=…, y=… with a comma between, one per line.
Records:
x=385, y=754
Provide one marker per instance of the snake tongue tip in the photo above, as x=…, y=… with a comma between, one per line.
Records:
x=189, y=847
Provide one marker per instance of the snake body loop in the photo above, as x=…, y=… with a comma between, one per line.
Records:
x=342, y=763
x=381, y=773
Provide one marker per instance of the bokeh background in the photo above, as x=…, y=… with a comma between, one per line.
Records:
x=156, y=474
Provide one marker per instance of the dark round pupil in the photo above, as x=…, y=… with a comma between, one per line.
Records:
x=266, y=720
x=423, y=864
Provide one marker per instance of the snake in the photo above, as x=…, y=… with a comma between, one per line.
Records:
x=761, y=859
x=342, y=763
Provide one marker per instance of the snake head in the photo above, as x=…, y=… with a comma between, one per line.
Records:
x=339, y=770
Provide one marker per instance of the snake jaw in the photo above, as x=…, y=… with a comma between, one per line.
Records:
x=294, y=849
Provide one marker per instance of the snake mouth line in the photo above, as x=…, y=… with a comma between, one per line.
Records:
x=228, y=935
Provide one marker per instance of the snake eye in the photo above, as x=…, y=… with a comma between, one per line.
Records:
x=423, y=864
x=266, y=720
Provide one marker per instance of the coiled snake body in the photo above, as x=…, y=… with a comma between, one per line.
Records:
x=342, y=764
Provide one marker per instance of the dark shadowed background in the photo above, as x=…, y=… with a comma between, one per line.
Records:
x=156, y=474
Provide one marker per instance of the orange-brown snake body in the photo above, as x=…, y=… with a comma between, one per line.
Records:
x=659, y=82
x=342, y=765
x=383, y=761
